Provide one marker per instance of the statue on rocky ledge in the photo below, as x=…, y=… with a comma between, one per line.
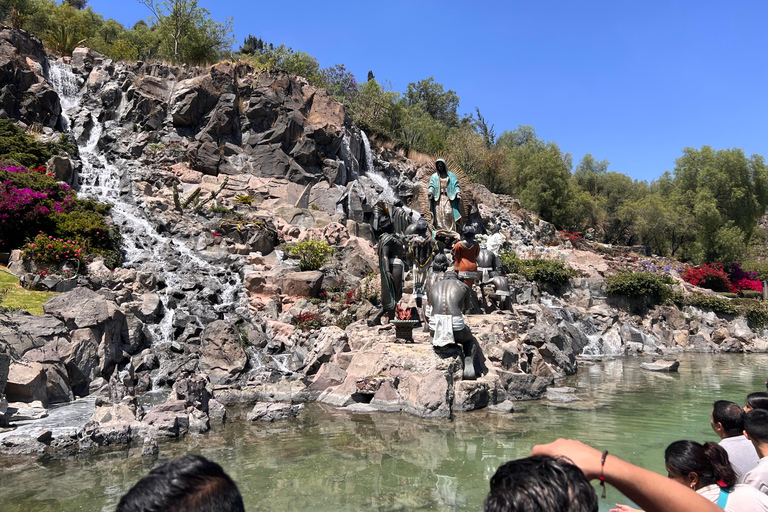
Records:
x=444, y=195
x=423, y=247
x=436, y=273
x=490, y=275
x=391, y=268
x=449, y=298
x=465, y=253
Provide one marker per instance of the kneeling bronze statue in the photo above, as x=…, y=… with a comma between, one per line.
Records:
x=449, y=298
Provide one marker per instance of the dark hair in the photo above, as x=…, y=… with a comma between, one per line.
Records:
x=730, y=415
x=758, y=400
x=709, y=461
x=189, y=484
x=756, y=425
x=540, y=484
x=440, y=263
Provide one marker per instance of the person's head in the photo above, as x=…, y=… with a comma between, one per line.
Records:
x=440, y=264
x=756, y=426
x=469, y=232
x=421, y=225
x=698, y=465
x=540, y=484
x=440, y=166
x=189, y=484
x=727, y=419
x=757, y=400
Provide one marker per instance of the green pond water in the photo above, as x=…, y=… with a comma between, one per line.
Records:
x=331, y=460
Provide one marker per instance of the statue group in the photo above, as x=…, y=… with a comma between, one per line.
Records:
x=442, y=296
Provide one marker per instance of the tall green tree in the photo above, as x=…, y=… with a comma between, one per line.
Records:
x=433, y=99
x=187, y=32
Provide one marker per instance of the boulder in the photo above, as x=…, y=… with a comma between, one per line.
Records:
x=27, y=382
x=170, y=419
x=270, y=412
x=523, y=386
x=194, y=391
x=331, y=341
x=302, y=284
x=221, y=355
x=661, y=365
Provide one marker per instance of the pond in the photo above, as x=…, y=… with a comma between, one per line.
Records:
x=330, y=459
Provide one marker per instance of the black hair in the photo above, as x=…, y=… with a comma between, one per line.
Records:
x=730, y=415
x=709, y=461
x=756, y=425
x=758, y=400
x=540, y=484
x=440, y=263
x=189, y=484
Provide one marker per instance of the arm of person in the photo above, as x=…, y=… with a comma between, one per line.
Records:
x=651, y=491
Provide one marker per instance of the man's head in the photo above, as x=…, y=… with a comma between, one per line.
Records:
x=189, y=484
x=540, y=484
x=440, y=264
x=727, y=419
x=756, y=427
x=421, y=225
x=758, y=400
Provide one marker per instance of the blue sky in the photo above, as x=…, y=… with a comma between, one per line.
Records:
x=630, y=82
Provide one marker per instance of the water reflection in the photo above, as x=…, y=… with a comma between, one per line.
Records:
x=333, y=460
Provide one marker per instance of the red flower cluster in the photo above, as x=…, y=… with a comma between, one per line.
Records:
x=711, y=276
x=573, y=237
x=748, y=284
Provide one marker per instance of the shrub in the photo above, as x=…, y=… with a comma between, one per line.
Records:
x=719, y=305
x=53, y=251
x=312, y=254
x=711, y=276
x=243, y=199
x=17, y=146
x=369, y=289
x=306, y=321
x=545, y=272
x=640, y=284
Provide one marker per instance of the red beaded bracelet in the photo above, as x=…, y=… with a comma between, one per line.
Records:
x=602, y=468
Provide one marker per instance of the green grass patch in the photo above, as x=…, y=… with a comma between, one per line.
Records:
x=13, y=296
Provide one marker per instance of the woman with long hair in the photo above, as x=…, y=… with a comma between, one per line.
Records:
x=758, y=400
x=705, y=468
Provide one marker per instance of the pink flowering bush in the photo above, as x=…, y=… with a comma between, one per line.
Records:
x=54, y=251
x=34, y=204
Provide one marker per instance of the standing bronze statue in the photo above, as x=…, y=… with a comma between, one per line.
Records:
x=392, y=269
x=423, y=247
x=444, y=195
x=449, y=298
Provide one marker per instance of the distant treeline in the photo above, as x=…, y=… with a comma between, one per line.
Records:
x=705, y=210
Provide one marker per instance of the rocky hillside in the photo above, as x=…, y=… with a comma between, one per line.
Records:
x=208, y=307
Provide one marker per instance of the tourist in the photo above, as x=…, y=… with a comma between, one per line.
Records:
x=728, y=422
x=756, y=430
x=705, y=469
x=650, y=490
x=189, y=484
x=758, y=400
x=539, y=484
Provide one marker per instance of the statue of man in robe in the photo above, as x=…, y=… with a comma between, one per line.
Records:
x=444, y=196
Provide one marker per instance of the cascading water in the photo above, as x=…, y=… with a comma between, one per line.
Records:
x=144, y=248
x=388, y=194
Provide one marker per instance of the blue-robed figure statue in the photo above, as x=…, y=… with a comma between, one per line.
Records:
x=444, y=198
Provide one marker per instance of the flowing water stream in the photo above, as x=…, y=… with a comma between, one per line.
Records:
x=143, y=247
x=329, y=459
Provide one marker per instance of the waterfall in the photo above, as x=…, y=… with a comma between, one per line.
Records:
x=143, y=247
x=65, y=83
x=387, y=193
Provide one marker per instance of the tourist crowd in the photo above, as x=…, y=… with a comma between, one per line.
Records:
x=730, y=476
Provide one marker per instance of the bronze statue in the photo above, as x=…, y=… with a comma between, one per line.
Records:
x=436, y=273
x=449, y=298
x=489, y=270
x=465, y=253
x=392, y=269
x=423, y=247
